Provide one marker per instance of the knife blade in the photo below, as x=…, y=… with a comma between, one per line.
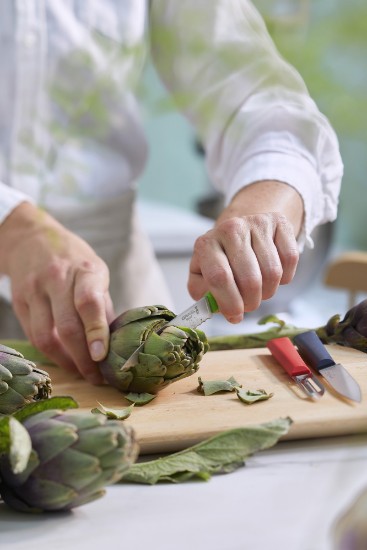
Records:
x=286, y=354
x=192, y=317
x=316, y=355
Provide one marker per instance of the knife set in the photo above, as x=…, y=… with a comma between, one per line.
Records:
x=312, y=353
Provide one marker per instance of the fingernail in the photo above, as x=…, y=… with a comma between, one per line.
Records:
x=236, y=319
x=97, y=350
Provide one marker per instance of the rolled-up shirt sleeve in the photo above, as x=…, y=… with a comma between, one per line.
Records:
x=250, y=108
x=10, y=199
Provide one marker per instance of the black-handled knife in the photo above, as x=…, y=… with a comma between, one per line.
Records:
x=314, y=353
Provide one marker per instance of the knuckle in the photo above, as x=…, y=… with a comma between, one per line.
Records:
x=44, y=341
x=87, y=298
x=272, y=274
x=68, y=328
x=232, y=226
x=292, y=257
x=201, y=244
x=56, y=271
x=218, y=277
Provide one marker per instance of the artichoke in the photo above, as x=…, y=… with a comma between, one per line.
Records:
x=74, y=456
x=169, y=353
x=20, y=381
x=351, y=332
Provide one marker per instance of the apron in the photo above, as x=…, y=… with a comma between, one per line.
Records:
x=112, y=229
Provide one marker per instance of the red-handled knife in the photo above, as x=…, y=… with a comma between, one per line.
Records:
x=286, y=354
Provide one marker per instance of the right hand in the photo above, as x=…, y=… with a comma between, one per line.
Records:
x=59, y=290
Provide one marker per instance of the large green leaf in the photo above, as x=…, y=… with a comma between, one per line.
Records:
x=219, y=454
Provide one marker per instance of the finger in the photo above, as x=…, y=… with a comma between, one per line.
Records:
x=236, y=238
x=287, y=248
x=269, y=263
x=210, y=262
x=110, y=310
x=43, y=335
x=90, y=303
x=70, y=330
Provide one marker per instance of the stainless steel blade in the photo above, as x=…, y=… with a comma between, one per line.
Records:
x=133, y=359
x=194, y=315
x=343, y=382
x=310, y=385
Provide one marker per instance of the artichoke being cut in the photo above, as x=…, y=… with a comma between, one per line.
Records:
x=170, y=355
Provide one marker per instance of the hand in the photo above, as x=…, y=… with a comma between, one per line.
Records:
x=59, y=290
x=251, y=250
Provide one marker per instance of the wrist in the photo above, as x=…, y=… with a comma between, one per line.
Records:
x=267, y=196
x=18, y=226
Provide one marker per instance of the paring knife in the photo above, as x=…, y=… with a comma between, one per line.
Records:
x=192, y=317
x=316, y=355
x=286, y=354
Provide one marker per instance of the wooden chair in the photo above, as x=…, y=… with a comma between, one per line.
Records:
x=348, y=271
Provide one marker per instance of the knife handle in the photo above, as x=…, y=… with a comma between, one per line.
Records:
x=212, y=302
x=286, y=354
x=313, y=350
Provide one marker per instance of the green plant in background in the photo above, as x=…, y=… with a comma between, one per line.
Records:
x=326, y=40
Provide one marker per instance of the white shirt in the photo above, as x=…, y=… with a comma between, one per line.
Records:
x=70, y=130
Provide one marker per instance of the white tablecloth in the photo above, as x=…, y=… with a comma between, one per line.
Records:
x=285, y=498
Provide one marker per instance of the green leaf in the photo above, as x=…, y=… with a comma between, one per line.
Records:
x=271, y=319
x=140, y=399
x=58, y=402
x=28, y=351
x=222, y=453
x=210, y=387
x=251, y=396
x=113, y=414
x=15, y=442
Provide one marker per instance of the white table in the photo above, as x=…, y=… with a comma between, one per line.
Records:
x=286, y=498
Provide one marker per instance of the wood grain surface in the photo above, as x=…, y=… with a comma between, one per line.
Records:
x=180, y=416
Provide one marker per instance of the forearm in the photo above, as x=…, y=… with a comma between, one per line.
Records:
x=21, y=222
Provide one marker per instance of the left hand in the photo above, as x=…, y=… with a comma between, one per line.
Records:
x=251, y=250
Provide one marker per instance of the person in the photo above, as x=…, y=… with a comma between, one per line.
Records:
x=72, y=148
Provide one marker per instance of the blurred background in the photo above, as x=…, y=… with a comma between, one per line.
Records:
x=326, y=40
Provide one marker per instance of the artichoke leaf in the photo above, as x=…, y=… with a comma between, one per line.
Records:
x=15, y=443
x=210, y=387
x=57, y=402
x=221, y=453
x=140, y=399
x=114, y=414
x=251, y=396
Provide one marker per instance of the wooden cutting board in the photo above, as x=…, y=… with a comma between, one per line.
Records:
x=180, y=416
